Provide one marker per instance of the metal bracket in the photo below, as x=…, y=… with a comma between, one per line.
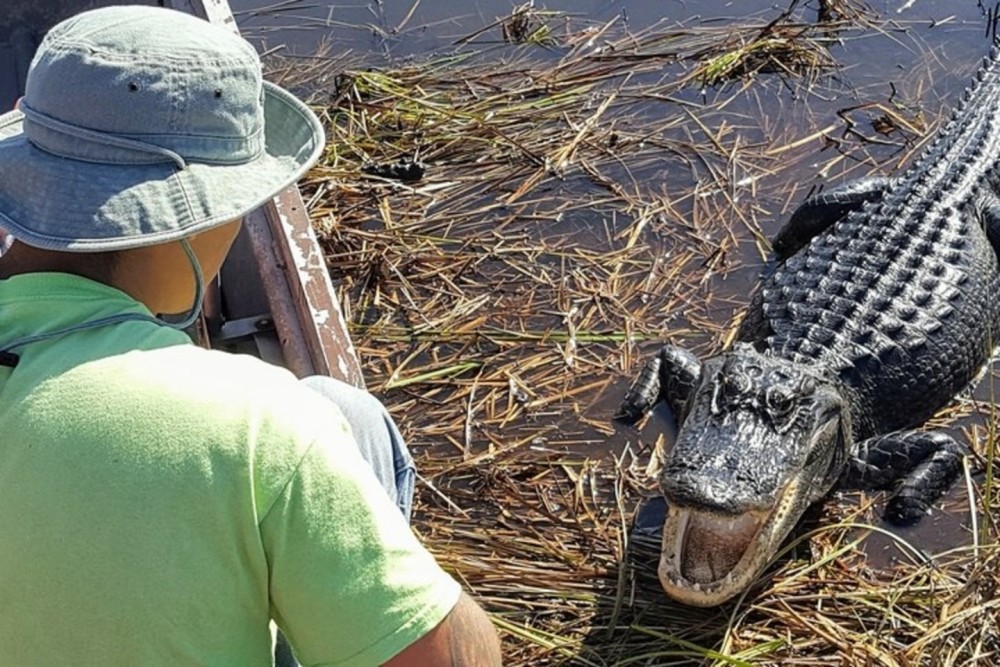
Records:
x=244, y=328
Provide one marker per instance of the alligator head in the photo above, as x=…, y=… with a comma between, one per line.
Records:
x=763, y=439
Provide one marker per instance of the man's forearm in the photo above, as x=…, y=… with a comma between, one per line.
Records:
x=465, y=638
x=473, y=640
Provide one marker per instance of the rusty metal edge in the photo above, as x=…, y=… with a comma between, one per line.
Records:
x=298, y=356
x=324, y=329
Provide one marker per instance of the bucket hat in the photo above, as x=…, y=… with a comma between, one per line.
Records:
x=143, y=125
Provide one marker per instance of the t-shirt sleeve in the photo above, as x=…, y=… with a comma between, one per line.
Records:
x=350, y=584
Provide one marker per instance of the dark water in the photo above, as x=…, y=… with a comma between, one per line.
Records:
x=938, y=43
x=403, y=28
x=400, y=28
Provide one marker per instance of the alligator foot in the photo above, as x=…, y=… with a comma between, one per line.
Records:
x=649, y=518
x=819, y=212
x=922, y=464
x=670, y=376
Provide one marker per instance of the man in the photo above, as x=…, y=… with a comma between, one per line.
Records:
x=161, y=503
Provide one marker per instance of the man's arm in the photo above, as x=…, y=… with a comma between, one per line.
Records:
x=465, y=638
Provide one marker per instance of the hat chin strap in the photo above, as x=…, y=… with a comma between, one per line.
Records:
x=199, y=289
x=189, y=319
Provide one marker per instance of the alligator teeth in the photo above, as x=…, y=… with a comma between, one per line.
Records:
x=680, y=529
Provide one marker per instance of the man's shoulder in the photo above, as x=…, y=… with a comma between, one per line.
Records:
x=183, y=408
x=192, y=365
x=188, y=383
x=215, y=367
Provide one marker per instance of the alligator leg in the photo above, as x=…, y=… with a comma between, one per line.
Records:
x=649, y=518
x=819, y=212
x=925, y=464
x=755, y=328
x=989, y=207
x=670, y=376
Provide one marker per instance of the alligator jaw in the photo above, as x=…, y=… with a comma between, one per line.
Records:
x=707, y=558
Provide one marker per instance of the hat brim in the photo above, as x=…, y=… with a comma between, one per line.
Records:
x=58, y=203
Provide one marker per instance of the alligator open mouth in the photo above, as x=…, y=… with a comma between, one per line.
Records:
x=707, y=558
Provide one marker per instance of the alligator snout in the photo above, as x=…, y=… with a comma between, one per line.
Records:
x=714, y=491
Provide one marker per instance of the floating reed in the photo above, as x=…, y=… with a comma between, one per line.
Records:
x=515, y=224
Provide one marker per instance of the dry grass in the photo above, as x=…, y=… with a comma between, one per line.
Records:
x=515, y=225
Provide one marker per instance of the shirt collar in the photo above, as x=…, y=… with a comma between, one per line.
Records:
x=33, y=303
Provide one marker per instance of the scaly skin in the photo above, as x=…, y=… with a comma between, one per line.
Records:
x=884, y=305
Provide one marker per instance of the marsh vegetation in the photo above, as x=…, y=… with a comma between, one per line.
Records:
x=515, y=222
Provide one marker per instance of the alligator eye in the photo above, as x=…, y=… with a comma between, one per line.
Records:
x=736, y=384
x=779, y=401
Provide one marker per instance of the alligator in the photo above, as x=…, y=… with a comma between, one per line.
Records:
x=878, y=308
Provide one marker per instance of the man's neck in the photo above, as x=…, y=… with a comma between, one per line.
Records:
x=21, y=258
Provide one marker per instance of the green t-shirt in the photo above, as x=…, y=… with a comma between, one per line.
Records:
x=159, y=503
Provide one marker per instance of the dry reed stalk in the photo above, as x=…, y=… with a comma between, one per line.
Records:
x=513, y=231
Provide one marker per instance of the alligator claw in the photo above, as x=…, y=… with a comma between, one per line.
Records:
x=642, y=395
x=670, y=376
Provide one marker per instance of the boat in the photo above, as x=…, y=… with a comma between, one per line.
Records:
x=274, y=297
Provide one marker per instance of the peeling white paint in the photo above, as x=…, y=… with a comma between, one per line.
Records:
x=310, y=264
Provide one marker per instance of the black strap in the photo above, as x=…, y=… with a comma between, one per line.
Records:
x=9, y=359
